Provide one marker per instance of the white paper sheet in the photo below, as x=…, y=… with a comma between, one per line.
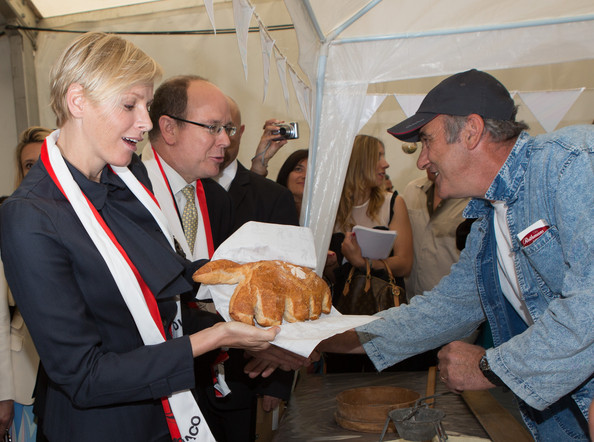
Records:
x=375, y=243
x=262, y=241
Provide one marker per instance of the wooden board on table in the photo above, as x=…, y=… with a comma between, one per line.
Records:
x=499, y=424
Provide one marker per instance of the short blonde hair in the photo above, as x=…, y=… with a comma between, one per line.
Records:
x=104, y=65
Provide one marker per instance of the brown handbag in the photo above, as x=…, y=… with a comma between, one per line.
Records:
x=365, y=294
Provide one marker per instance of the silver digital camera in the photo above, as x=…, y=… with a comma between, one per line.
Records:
x=288, y=131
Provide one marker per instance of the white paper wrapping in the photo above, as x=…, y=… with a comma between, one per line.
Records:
x=262, y=241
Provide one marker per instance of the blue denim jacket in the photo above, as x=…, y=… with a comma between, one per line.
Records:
x=549, y=177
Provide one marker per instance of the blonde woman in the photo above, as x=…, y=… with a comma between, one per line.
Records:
x=92, y=264
x=365, y=202
x=18, y=357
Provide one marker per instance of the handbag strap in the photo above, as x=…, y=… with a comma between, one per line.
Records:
x=392, y=282
x=392, y=199
x=390, y=275
x=347, y=284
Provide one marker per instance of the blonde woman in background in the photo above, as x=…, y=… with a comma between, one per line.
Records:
x=365, y=202
x=18, y=359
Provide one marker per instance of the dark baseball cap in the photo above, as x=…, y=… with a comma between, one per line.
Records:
x=465, y=93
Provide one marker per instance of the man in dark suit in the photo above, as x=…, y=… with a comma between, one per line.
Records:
x=255, y=198
x=182, y=153
x=191, y=130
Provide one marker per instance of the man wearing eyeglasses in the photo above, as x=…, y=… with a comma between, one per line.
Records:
x=191, y=128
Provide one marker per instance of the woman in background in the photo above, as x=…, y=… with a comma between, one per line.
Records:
x=364, y=202
x=28, y=149
x=18, y=357
x=93, y=267
x=292, y=175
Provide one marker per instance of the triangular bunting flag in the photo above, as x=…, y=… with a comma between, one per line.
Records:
x=303, y=95
x=210, y=12
x=370, y=106
x=281, y=67
x=242, y=13
x=549, y=107
x=267, y=45
x=409, y=103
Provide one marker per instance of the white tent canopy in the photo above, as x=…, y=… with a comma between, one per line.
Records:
x=353, y=66
x=345, y=46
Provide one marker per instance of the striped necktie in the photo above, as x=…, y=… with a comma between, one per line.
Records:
x=190, y=216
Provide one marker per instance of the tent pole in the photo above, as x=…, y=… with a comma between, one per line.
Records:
x=314, y=21
x=321, y=72
x=468, y=30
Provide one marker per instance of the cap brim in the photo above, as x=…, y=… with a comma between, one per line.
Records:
x=408, y=130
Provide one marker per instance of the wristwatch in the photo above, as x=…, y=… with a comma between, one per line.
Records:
x=486, y=370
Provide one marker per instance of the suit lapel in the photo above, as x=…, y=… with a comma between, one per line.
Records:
x=239, y=189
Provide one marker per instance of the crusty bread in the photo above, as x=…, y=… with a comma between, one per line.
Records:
x=269, y=291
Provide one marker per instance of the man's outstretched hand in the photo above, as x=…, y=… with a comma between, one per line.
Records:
x=266, y=361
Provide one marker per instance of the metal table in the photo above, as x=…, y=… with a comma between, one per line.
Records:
x=310, y=412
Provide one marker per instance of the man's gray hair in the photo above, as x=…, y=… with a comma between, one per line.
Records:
x=499, y=130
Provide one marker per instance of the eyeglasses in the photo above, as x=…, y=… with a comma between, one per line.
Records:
x=213, y=129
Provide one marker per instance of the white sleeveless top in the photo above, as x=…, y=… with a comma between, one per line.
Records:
x=360, y=217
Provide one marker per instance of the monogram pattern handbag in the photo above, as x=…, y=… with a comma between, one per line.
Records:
x=366, y=294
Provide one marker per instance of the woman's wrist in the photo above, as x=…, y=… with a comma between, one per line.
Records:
x=361, y=264
x=208, y=339
x=260, y=167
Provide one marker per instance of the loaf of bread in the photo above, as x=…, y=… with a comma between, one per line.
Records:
x=269, y=291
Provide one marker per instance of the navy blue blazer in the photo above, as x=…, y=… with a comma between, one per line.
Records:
x=104, y=383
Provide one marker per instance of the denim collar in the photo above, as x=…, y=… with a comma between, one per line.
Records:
x=506, y=185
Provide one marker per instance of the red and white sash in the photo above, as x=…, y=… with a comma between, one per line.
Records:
x=204, y=248
x=185, y=420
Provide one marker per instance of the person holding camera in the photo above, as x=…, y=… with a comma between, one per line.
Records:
x=276, y=134
x=256, y=198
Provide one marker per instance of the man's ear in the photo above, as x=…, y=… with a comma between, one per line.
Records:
x=169, y=129
x=473, y=131
x=75, y=99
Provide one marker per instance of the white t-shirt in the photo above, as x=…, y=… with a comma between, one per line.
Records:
x=508, y=278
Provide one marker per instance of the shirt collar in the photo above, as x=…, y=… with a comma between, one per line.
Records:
x=425, y=185
x=176, y=182
x=226, y=177
x=508, y=180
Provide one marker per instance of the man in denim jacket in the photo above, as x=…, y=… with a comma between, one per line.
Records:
x=527, y=266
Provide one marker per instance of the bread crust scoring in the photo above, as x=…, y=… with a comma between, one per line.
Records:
x=269, y=291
